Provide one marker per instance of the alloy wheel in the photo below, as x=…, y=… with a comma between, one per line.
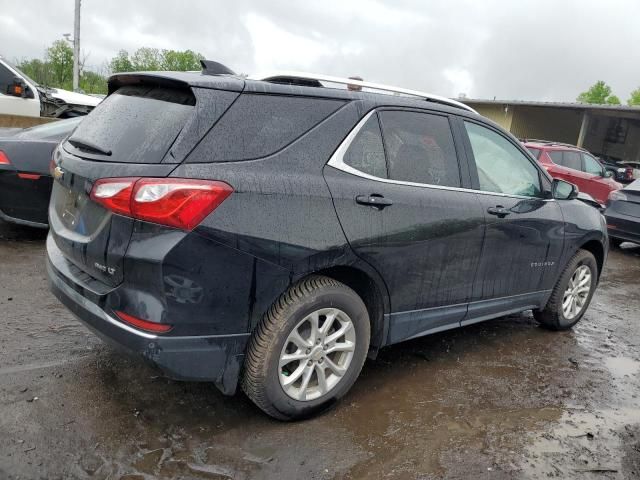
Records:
x=317, y=354
x=577, y=291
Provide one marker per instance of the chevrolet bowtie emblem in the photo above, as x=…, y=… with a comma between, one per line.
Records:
x=58, y=173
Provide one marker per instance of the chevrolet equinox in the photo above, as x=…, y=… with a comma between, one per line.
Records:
x=274, y=233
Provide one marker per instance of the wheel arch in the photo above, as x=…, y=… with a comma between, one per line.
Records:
x=374, y=294
x=596, y=248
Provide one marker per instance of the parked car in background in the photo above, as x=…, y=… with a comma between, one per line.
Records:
x=623, y=214
x=25, y=179
x=621, y=173
x=20, y=95
x=576, y=166
x=276, y=233
x=635, y=169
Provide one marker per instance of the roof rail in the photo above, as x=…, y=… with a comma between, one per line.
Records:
x=290, y=76
x=551, y=143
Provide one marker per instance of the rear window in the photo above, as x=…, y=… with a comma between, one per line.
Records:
x=258, y=125
x=136, y=124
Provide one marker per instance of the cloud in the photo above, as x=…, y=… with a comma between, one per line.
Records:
x=529, y=49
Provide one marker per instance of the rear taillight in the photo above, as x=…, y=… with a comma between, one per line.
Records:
x=143, y=324
x=176, y=202
x=617, y=195
x=4, y=160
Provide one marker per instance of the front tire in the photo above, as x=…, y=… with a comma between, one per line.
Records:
x=308, y=349
x=572, y=294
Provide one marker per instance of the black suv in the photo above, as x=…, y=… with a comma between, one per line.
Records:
x=275, y=233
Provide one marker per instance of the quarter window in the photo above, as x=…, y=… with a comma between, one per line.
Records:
x=502, y=168
x=535, y=151
x=366, y=152
x=419, y=148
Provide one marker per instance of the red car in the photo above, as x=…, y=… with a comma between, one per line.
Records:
x=575, y=165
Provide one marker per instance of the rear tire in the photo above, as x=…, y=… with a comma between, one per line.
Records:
x=308, y=349
x=572, y=294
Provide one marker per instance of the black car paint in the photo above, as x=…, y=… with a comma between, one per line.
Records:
x=623, y=216
x=25, y=201
x=433, y=260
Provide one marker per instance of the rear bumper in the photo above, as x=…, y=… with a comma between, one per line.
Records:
x=216, y=358
x=24, y=201
x=624, y=227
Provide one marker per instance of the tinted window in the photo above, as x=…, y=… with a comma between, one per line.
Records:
x=420, y=148
x=366, y=152
x=535, y=151
x=137, y=124
x=259, y=125
x=502, y=168
x=572, y=160
x=591, y=165
x=6, y=79
x=556, y=157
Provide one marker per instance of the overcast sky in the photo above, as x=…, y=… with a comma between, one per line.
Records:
x=524, y=49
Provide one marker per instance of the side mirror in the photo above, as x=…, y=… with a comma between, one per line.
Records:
x=608, y=174
x=17, y=88
x=562, y=190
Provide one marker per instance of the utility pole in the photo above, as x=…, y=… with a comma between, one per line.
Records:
x=76, y=48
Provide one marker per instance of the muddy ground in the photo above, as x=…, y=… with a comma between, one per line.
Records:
x=499, y=400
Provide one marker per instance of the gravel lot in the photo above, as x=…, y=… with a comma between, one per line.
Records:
x=502, y=399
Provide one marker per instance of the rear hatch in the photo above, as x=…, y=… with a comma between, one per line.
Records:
x=127, y=135
x=631, y=204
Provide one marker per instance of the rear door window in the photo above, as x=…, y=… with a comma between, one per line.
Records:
x=572, y=160
x=135, y=124
x=419, y=148
x=258, y=125
x=366, y=152
x=556, y=157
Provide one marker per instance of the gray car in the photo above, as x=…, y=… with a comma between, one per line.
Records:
x=623, y=214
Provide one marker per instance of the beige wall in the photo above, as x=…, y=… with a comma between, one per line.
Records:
x=557, y=124
x=22, y=122
x=501, y=114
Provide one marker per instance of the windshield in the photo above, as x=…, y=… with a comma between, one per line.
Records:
x=22, y=74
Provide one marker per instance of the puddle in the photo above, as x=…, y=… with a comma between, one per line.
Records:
x=622, y=366
x=582, y=442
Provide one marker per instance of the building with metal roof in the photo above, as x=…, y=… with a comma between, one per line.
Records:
x=609, y=131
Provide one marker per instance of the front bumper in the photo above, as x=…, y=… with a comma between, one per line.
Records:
x=216, y=358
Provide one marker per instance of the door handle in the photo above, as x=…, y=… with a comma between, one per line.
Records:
x=373, y=200
x=499, y=211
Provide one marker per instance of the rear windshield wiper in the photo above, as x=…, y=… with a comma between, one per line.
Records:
x=91, y=147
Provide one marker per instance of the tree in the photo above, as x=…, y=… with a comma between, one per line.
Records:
x=60, y=59
x=634, y=99
x=121, y=62
x=599, y=93
x=153, y=59
x=181, y=61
